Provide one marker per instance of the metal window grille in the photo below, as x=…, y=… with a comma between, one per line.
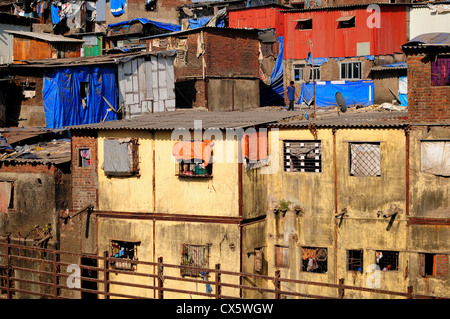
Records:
x=355, y=260
x=194, y=256
x=302, y=156
x=387, y=260
x=365, y=159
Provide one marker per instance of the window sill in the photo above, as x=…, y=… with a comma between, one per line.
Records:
x=194, y=176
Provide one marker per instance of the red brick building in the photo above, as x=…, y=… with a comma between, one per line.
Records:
x=216, y=68
x=428, y=58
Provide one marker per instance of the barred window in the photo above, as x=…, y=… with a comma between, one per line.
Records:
x=365, y=159
x=194, y=256
x=386, y=260
x=302, y=156
x=355, y=260
x=314, y=259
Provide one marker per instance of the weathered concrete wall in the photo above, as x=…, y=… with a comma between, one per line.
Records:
x=158, y=238
x=233, y=94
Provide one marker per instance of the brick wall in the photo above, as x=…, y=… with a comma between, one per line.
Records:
x=232, y=54
x=441, y=266
x=426, y=103
x=84, y=179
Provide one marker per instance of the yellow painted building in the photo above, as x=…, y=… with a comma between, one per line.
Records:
x=338, y=200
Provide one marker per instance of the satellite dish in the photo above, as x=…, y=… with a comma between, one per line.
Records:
x=342, y=105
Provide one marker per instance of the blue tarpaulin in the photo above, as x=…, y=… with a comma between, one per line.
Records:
x=273, y=95
x=355, y=93
x=200, y=22
x=55, y=14
x=62, y=94
x=161, y=25
x=118, y=7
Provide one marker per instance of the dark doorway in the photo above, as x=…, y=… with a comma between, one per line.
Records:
x=88, y=273
x=185, y=94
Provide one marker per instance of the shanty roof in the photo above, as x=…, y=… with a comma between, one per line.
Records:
x=370, y=117
x=91, y=60
x=45, y=36
x=34, y=145
x=186, y=119
x=429, y=39
x=380, y=116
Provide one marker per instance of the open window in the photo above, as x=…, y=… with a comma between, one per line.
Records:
x=84, y=93
x=126, y=251
x=299, y=72
x=316, y=70
x=386, y=260
x=315, y=259
x=433, y=265
x=84, y=157
x=365, y=159
x=302, y=156
x=346, y=22
x=121, y=157
x=194, y=158
x=355, y=260
x=7, y=200
x=194, y=256
x=304, y=24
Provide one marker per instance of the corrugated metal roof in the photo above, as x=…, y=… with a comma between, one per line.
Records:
x=45, y=36
x=186, y=120
x=91, y=60
x=430, y=39
x=373, y=118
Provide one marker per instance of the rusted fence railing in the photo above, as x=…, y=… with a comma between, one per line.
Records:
x=35, y=272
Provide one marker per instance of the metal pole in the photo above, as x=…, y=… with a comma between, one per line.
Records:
x=55, y=273
x=105, y=274
x=277, y=284
x=313, y=76
x=8, y=269
x=218, y=280
x=160, y=278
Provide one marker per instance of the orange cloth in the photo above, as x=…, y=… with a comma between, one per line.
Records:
x=188, y=150
x=254, y=145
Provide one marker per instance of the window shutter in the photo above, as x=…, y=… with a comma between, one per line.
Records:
x=421, y=265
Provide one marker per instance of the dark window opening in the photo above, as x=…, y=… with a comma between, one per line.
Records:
x=346, y=22
x=387, y=260
x=191, y=168
x=355, y=260
x=314, y=259
x=125, y=250
x=150, y=5
x=87, y=272
x=84, y=93
x=351, y=71
x=304, y=24
x=433, y=265
x=298, y=72
x=84, y=157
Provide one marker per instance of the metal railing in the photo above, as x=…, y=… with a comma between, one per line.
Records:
x=35, y=272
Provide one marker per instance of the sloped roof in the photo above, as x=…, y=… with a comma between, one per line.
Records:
x=45, y=36
x=186, y=119
x=430, y=39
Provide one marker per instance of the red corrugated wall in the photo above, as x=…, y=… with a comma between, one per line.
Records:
x=331, y=41
x=257, y=18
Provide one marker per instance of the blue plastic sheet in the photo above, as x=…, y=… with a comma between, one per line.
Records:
x=118, y=7
x=200, y=22
x=273, y=95
x=55, y=14
x=62, y=96
x=355, y=93
x=161, y=25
